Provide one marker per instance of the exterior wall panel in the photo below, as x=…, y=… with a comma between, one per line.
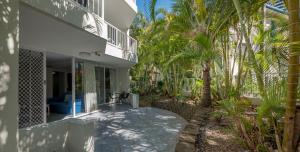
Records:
x=9, y=50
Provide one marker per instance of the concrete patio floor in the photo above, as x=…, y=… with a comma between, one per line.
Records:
x=122, y=129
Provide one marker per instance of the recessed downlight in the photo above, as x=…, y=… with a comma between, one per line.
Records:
x=84, y=54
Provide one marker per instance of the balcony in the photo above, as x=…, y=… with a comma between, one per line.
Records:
x=121, y=40
x=114, y=36
x=81, y=14
x=112, y=11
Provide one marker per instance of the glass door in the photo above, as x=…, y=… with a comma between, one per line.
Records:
x=100, y=84
x=79, y=85
x=110, y=93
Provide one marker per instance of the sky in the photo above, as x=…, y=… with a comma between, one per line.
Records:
x=160, y=4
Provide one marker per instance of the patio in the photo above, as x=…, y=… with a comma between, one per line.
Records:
x=114, y=128
x=119, y=128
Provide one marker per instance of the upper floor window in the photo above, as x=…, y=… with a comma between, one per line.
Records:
x=94, y=6
x=82, y=2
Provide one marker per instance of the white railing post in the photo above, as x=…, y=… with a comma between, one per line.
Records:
x=117, y=40
x=128, y=40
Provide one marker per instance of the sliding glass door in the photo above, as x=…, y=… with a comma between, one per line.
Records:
x=79, y=88
x=100, y=84
x=110, y=85
x=105, y=85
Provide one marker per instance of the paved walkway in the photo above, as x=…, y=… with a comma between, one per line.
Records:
x=121, y=129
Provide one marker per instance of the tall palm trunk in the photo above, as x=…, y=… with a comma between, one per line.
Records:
x=293, y=73
x=226, y=64
x=206, y=91
x=256, y=68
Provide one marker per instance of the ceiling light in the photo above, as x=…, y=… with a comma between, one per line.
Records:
x=84, y=54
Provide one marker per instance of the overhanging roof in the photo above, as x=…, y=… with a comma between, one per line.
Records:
x=278, y=6
x=43, y=32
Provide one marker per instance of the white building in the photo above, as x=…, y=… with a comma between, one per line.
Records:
x=74, y=54
x=69, y=57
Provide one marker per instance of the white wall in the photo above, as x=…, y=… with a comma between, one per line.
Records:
x=9, y=51
x=46, y=137
x=113, y=51
x=123, y=82
x=81, y=136
x=68, y=11
x=116, y=52
x=70, y=135
x=90, y=94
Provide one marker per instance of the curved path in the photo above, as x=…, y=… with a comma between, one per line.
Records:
x=121, y=129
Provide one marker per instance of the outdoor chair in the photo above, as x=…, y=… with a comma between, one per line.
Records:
x=123, y=98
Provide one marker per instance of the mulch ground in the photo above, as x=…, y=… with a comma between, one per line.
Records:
x=221, y=138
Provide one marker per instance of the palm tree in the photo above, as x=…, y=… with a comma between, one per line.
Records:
x=157, y=42
x=194, y=21
x=293, y=75
x=257, y=69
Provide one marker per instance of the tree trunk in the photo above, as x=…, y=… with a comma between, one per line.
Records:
x=206, y=91
x=241, y=58
x=293, y=73
x=226, y=65
x=297, y=128
x=256, y=68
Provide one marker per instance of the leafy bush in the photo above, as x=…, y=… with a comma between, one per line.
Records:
x=196, y=89
x=270, y=113
x=261, y=128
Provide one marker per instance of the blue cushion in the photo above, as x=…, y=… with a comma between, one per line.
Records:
x=62, y=107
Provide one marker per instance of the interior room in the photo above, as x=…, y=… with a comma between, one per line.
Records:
x=59, y=88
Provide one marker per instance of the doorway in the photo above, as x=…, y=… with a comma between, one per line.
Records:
x=105, y=85
x=100, y=85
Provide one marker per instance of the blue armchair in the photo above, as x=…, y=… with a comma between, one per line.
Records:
x=64, y=105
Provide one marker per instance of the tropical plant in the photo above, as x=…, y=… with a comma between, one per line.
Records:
x=270, y=113
x=230, y=50
x=235, y=109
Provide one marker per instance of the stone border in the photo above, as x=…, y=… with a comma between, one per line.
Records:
x=192, y=138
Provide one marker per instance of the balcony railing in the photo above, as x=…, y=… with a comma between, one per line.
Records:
x=114, y=36
x=120, y=39
x=132, y=45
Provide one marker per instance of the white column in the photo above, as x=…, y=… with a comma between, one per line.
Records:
x=104, y=84
x=73, y=88
x=102, y=9
x=98, y=7
x=9, y=52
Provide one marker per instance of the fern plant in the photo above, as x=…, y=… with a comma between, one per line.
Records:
x=271, y=111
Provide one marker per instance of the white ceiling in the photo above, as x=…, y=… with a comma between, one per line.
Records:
x=58, y=61
x=45, y=33
x=119, y=13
